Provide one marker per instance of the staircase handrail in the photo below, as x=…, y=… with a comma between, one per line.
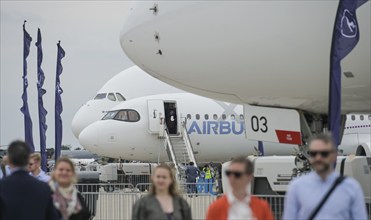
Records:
x=170, y=149
x=187, y=142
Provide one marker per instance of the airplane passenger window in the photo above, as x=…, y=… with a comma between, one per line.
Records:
x=109, y=115
x=197, y=116
x=224, y=116
x=122, y=115
x=361, y=117
x=215, y=116
x=353, y=117
x=241, y=117
x=206, y=117
x=133, y=115
x=111, y=97
x=189, y=116
x=100, y=96
x=369, y=117
x=233, y=117
x=120, y=98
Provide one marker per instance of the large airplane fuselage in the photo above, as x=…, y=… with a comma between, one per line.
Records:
x=216, y=131
x=269, y=53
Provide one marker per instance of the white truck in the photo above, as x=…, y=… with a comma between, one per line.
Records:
x=132, y=174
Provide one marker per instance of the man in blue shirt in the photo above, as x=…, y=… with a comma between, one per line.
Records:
x=34, y=165
x=306, y=192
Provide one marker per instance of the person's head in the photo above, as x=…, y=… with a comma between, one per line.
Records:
x=191, y=163
x=64, y=172
x=18, y=154
x=163, y=179
x=322, y=152
x=34, y=162
x=240, y=173
x=206, y=166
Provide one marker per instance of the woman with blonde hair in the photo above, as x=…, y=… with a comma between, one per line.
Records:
x=67, y=200
x=163, y=202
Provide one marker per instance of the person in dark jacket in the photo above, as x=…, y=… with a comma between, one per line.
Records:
x=67, y=200
x=21, y=195
x=163, y=202
x=192, y=174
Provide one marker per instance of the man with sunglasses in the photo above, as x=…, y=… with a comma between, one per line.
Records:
x=238, y=203
x=306, y=193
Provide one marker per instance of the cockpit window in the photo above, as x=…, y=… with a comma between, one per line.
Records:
x=109, y=115
x=120, y=98
x=122, y=115
x=100, y=96
x=133, y=115
x=128, y=115
x=111, y=97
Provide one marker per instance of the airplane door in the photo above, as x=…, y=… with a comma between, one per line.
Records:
x=155, y=114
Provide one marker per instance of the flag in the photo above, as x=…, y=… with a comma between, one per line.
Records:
x=58, y=103
x=345, y=37
x=26, y=113
x=261, y=148
x=42, y=110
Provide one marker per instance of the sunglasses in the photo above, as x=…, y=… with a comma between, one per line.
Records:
x=323, y=154
x=236, y=174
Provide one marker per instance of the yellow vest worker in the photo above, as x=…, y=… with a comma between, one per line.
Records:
x=207, y=173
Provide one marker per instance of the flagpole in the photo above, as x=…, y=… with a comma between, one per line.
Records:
x=58, y=107
x=344, y=39
x=42, y=111
x=24, y=109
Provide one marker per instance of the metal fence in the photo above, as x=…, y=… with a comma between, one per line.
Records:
x=118, y=203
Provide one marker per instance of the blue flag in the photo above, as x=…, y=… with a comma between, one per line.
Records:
x=58, y=103
x=26, y=113
x=42, y=110
x=345, y=37
x=261, y=148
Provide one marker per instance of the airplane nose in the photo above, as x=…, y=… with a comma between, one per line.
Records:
x=89, y=113
x=89, y=137
x=79, y=122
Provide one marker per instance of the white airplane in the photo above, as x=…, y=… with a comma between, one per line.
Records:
x=216, y=130
x=267, y=53
x=262, y=53
x=130, y=83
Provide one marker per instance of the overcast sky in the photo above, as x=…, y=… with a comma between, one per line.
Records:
x=89, y=33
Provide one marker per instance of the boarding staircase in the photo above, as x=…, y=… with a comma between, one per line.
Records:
x=179, y=150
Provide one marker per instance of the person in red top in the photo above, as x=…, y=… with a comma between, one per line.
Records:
x=238, y=203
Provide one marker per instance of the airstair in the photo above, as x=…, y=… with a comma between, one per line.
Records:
x=179, y=149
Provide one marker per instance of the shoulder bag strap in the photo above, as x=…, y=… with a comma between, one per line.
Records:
x=324, y=199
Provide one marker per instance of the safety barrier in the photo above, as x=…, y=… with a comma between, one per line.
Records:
x=144, y=187
x=105, y=187
x=118, y=204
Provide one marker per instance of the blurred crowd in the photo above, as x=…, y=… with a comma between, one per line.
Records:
x=26, y=192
